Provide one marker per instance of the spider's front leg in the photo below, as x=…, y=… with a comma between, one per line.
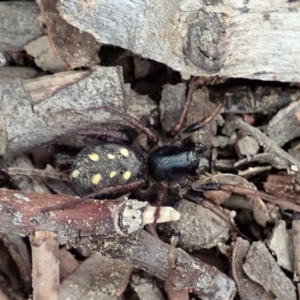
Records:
x=197, y=197
x=121, y=189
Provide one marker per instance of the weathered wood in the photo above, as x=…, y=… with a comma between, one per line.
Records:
x=19, y=24
x=229, y=38
x=151, y=254
x=44, y=55
x=284, y=126
x=261, y=267
x=36, y=111
x=21, y=214
x=247, y=288
x=114, y=228
x=98, y=277
x=296, y=241
x=13, y=72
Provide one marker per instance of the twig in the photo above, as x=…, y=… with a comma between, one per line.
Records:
x=21, y=214
x=151, y=254
x=45, y=265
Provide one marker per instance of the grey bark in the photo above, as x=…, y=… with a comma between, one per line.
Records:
x=38, y=111
x=19, y=24
x=232, y=39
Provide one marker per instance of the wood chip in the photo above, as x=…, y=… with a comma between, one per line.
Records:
x=261, y=267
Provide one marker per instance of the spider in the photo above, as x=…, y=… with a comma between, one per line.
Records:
x=114, y=167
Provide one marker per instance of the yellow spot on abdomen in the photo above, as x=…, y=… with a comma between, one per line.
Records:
x=110, y=156
x=112, y=174
x=96, y=179
x=124, y=152
x=127, y=175
x=93, y=156
x=75, y=174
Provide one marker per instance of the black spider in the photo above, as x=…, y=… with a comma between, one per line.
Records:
x=114, y=167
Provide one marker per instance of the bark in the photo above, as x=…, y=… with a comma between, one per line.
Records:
x=38, y=111
x=232, y=39
x=19, y=24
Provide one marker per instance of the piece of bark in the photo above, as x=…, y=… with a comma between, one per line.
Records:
x=98, y=277
x=67, y=263
x=296, y=242
x=233, y=40
x=284, y=126
x=282, y=186
x=220, y=141
x=58, y=105
x=261, y=267
x=19, y=24
x=243, y=98
x=44, y=56
x=280, y=242
x=145, y=288
x=198, y=227
x=7, y=73
x=76, y=48
x=9, y=269
x=45, y=265
x=18, y=250
x=248, y=289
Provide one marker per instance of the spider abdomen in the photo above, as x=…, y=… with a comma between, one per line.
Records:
x=104, y=165
x=170, y=163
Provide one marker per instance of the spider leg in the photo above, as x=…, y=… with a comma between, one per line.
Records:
x=106, y=134
x=283, y=202
x=162, y=188
x=126, y=188
x=196, y=197
x=194, y=84
x=152, y=138
x=200, y=124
